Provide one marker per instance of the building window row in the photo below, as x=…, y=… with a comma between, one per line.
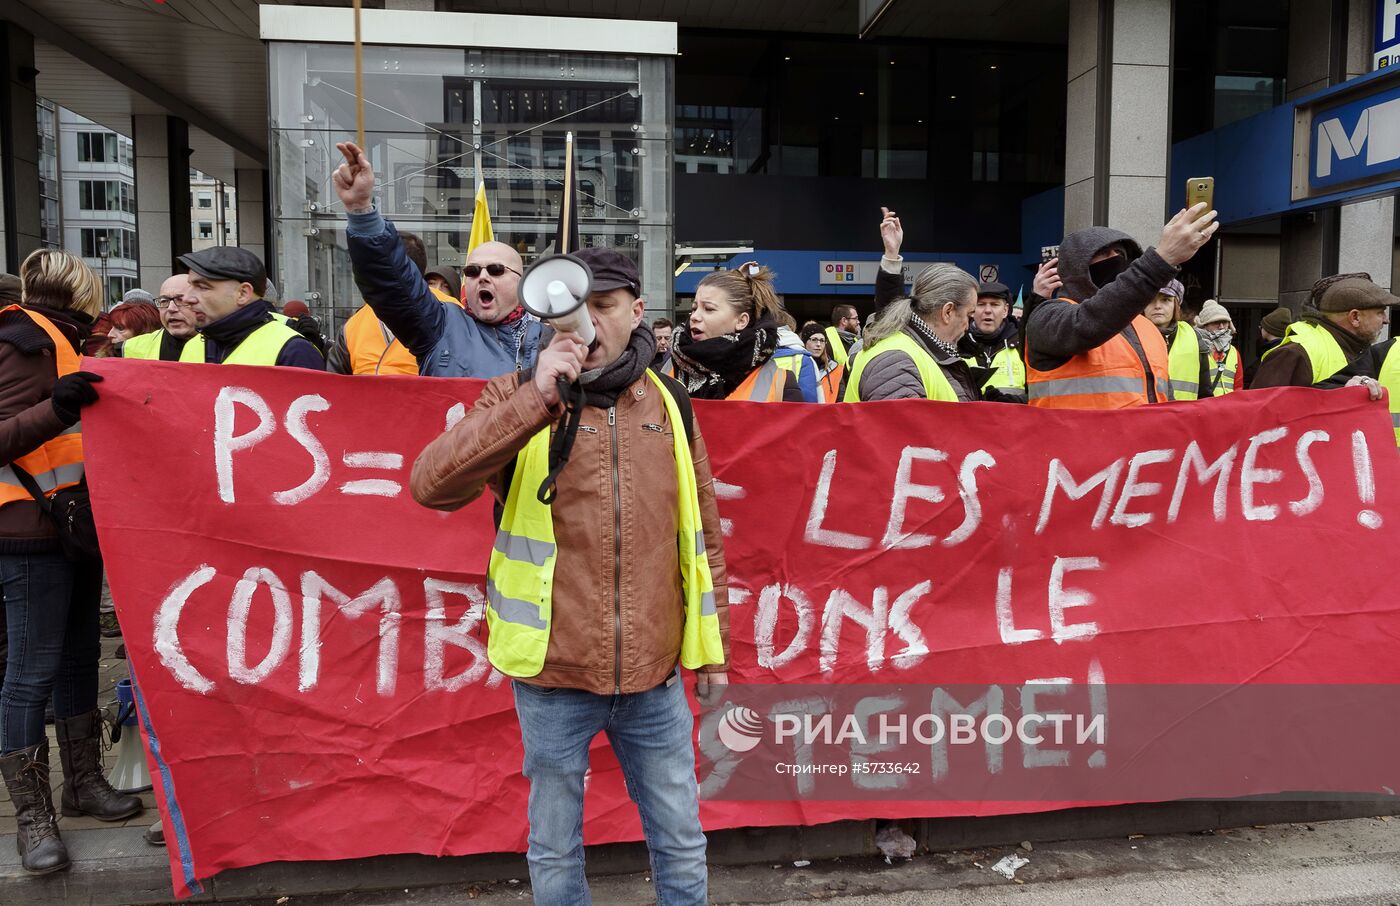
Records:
x=104, y=148
x=106, y=195
x=120, y=243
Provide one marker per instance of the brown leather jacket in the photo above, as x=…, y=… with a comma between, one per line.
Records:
x=617, y=609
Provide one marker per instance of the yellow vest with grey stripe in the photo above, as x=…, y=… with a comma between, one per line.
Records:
x=936, y=384
x=1008, y=371
x=520, y=577
x=1184, y=363
x=1325, y=354
x=261, y=347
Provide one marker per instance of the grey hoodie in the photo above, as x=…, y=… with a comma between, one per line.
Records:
x=1057, y=331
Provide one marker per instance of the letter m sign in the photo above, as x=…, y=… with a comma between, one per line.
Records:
x=1357, y=141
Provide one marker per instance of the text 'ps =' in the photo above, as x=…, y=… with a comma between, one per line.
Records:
x=555, y=290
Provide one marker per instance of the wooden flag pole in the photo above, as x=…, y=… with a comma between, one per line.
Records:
x=566, y=239
x=359, y=84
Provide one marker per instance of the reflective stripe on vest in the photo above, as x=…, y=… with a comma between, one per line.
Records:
x=1109, y=376
x=1389, y=378
x=1225, y=372
x=835, y=346
x=261, y=347
x=936, y=384
x=1008, y=371
x=764, y=384
x=1184, y=363
x=1325, y=354
x=146, y=346
x=829, y=387
x=57, y=463
x=520, y=578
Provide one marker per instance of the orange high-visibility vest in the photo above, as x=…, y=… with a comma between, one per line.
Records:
x=58, y=463
x=765, y=384
x=1106, y=377
x=829, y=385
x=373, y=350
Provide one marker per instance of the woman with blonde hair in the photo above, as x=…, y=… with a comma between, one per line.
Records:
x=727, y=350
x=911, y=350
x=51, y=597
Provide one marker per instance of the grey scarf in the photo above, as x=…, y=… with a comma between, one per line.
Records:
x=602, y=386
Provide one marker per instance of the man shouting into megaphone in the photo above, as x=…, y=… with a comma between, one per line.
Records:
x=589, y=608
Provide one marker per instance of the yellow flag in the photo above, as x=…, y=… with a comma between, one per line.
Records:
x=481, y=220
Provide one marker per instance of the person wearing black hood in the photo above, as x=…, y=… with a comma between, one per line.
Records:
x=990, y=346
x=236, y=325
x=1091, y=347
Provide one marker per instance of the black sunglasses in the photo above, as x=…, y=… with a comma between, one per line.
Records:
x=495, y=270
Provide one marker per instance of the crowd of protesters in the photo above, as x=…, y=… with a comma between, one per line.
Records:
x=1103, y=328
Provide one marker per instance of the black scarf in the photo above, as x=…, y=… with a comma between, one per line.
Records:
x=601, y=386
x=710, y=369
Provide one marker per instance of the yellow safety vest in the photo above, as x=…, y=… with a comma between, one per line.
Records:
x=1184, y=363
x=835, y=347
x=936, y=385
x=58, y=463
x=1324, y=352
x=1223, y=372
x=1008, y=371
x=146, y=346
x=1389, y=378
x=520, y=577
x=261, y=347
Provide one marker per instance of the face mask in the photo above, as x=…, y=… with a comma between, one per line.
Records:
x=1107, y=270
x=1220, y=339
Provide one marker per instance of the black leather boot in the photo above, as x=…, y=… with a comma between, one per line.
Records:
x=26, y=772
x=85, y=788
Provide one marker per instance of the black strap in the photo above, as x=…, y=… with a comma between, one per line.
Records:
x=563, y=443
x=683, y=403
x=32, y=487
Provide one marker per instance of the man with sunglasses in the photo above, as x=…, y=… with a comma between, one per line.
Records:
x=176, y=321
x=490, y=337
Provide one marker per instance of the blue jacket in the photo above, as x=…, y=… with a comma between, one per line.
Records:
x=446, y=340
x=806, y=371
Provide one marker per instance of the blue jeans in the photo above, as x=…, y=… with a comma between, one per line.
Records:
x=51, y=621
x=650, y=733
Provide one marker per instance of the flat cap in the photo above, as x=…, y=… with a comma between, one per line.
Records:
x=226, y=262
x=1000, y=290
x=611, y=270
x=1354, y=293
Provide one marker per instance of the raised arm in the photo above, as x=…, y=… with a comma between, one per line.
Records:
x=389, y=282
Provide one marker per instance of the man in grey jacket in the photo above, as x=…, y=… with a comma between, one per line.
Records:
x=1111, y=279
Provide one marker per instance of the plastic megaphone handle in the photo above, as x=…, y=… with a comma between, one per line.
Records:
x=576, y=322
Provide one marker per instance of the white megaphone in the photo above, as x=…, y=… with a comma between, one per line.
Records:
x=555, y=290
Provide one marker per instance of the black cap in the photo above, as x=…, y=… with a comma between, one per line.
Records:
x=611, y=270
x=226, y=262
x=1000, y=290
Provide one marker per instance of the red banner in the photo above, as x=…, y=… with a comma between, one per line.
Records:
x=308, y=644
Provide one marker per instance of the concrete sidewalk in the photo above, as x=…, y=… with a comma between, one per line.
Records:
x=114, y=866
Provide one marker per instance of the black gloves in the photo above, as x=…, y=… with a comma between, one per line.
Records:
x=71, y=393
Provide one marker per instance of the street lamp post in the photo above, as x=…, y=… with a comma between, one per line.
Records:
x=104, y=248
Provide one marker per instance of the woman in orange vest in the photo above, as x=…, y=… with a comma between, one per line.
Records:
x=51, y=602
x=727, y=352
x=829, y=371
